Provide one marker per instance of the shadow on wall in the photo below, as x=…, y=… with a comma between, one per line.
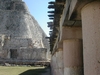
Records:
x=34, y=72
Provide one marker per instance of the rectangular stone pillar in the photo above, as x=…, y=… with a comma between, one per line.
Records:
x=73, y=57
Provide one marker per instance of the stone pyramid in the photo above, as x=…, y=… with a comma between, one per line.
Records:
x=21, y=37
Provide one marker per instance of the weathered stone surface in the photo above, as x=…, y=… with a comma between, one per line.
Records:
x=20, y=33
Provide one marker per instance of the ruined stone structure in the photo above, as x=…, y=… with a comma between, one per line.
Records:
x=21, y=38
x=74, y=37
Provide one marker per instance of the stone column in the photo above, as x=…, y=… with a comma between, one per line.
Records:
x=57, y=63
x=60, y=62
x=59, y=56
x=72, y=55
x=54, y=65
x=91, y=37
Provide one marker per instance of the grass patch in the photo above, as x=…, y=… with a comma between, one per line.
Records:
x=21, y=70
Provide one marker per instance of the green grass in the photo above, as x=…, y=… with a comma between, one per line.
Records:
x=21, y=70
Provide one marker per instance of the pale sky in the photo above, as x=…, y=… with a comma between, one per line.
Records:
x=39, y=9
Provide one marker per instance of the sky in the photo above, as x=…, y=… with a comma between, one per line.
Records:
x=39, y=9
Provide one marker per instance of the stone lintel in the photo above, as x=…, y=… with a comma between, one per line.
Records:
x=75, y=8
x=65, y=10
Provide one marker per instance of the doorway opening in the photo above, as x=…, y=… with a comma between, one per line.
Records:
x=13, y=53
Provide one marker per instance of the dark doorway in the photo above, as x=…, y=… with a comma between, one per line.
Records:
x=13, y=53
